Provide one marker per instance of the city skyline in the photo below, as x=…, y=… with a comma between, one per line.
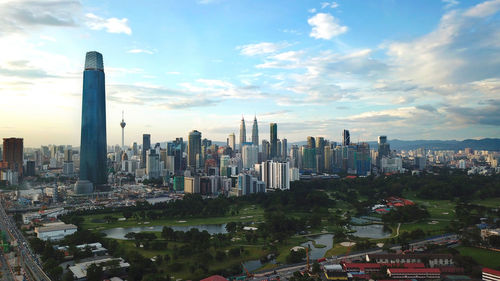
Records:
x=312, y=69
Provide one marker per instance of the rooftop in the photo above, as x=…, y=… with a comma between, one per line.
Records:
x=55, y=228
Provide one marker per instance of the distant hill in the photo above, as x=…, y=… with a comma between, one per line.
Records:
x=482, y=144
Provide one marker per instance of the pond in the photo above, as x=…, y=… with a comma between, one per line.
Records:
x=370, y=231
x=120, y=232
x=317, y=253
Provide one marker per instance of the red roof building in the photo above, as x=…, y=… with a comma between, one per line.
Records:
x=414, y=273
x=214, y=278
x=490, y=274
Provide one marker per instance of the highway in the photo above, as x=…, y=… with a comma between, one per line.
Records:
x=29, y=261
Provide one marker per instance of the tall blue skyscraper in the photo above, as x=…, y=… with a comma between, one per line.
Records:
x=93, y=166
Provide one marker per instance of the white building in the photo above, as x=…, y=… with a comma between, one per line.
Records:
x=54, y=231
x=250, y=156
x=79, y=270
x=276, y=175
x=391, y=165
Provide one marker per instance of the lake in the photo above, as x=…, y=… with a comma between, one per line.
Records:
x=370, y=231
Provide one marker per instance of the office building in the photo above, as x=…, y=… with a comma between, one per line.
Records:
x=265, y=150
x=273, y=151
x=13, y=155
x=194, y=149
x=284, y=149
x=255, y=132
x=146, y=146
x=231, y=141
x=93, y=150
x=320, y=154
x=153, y=169
x=243, y=133
x=294, y=156
x=191, y=184
x=346, y=138
x=250, y=155
x=311, y=142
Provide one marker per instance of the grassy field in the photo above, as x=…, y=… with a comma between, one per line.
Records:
x=489, y=202
x=336, y=250
x=483, y=257
x=250, y=213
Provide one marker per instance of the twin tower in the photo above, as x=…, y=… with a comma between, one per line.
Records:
x=93, y=145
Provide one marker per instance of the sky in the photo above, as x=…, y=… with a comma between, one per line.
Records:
x=410, y=70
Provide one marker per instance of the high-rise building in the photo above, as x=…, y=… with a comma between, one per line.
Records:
x=146, y=146
x=383, y=147
x=194, y=148
x=294, y=156
x=153, y=169
x=346, y=138
x=284, y=148
x=122, y=125
x=311, y=142
x=243, y=133
x=273, y=151
x=250, y=155
x=13, y=154
x=231, y=141
x=265, y=150
x=135, y=150
x=93, y=149
x=255, y=132
x=276, y=175
x=320, y=152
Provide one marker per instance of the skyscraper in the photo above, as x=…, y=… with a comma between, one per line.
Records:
x=274, y=140
x=194, y=148
x=93, y=162
x=13, y=154
x=255, y=132
x=265, y=150
x=346, y=138
x=311, y=142
x=284, y=148
x=243, y=132
x=232, y=141
x=146, y=145
x=383, y=147
x=122, y=124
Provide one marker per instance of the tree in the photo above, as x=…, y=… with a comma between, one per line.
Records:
x=68, y=276
x=94, y=273
x=231, y=227
x=296, y=256
x=316, y=269
x=127, y=214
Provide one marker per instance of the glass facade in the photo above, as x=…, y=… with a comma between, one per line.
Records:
x=93, y=163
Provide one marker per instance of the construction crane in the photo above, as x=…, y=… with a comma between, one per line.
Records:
x=249, y=275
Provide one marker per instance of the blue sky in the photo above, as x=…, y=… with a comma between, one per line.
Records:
x=406, y=69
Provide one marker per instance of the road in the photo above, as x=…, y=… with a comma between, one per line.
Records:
x=29, y=261
x=287, y=271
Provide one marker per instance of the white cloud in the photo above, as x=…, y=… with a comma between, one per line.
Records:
x=332, y=5
x=450, y=3
x=173, y=73
x=261, y=48
x=140, y=51
x=484, y=9
x=325, y=26
x=111, y=25
x=312, y=11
